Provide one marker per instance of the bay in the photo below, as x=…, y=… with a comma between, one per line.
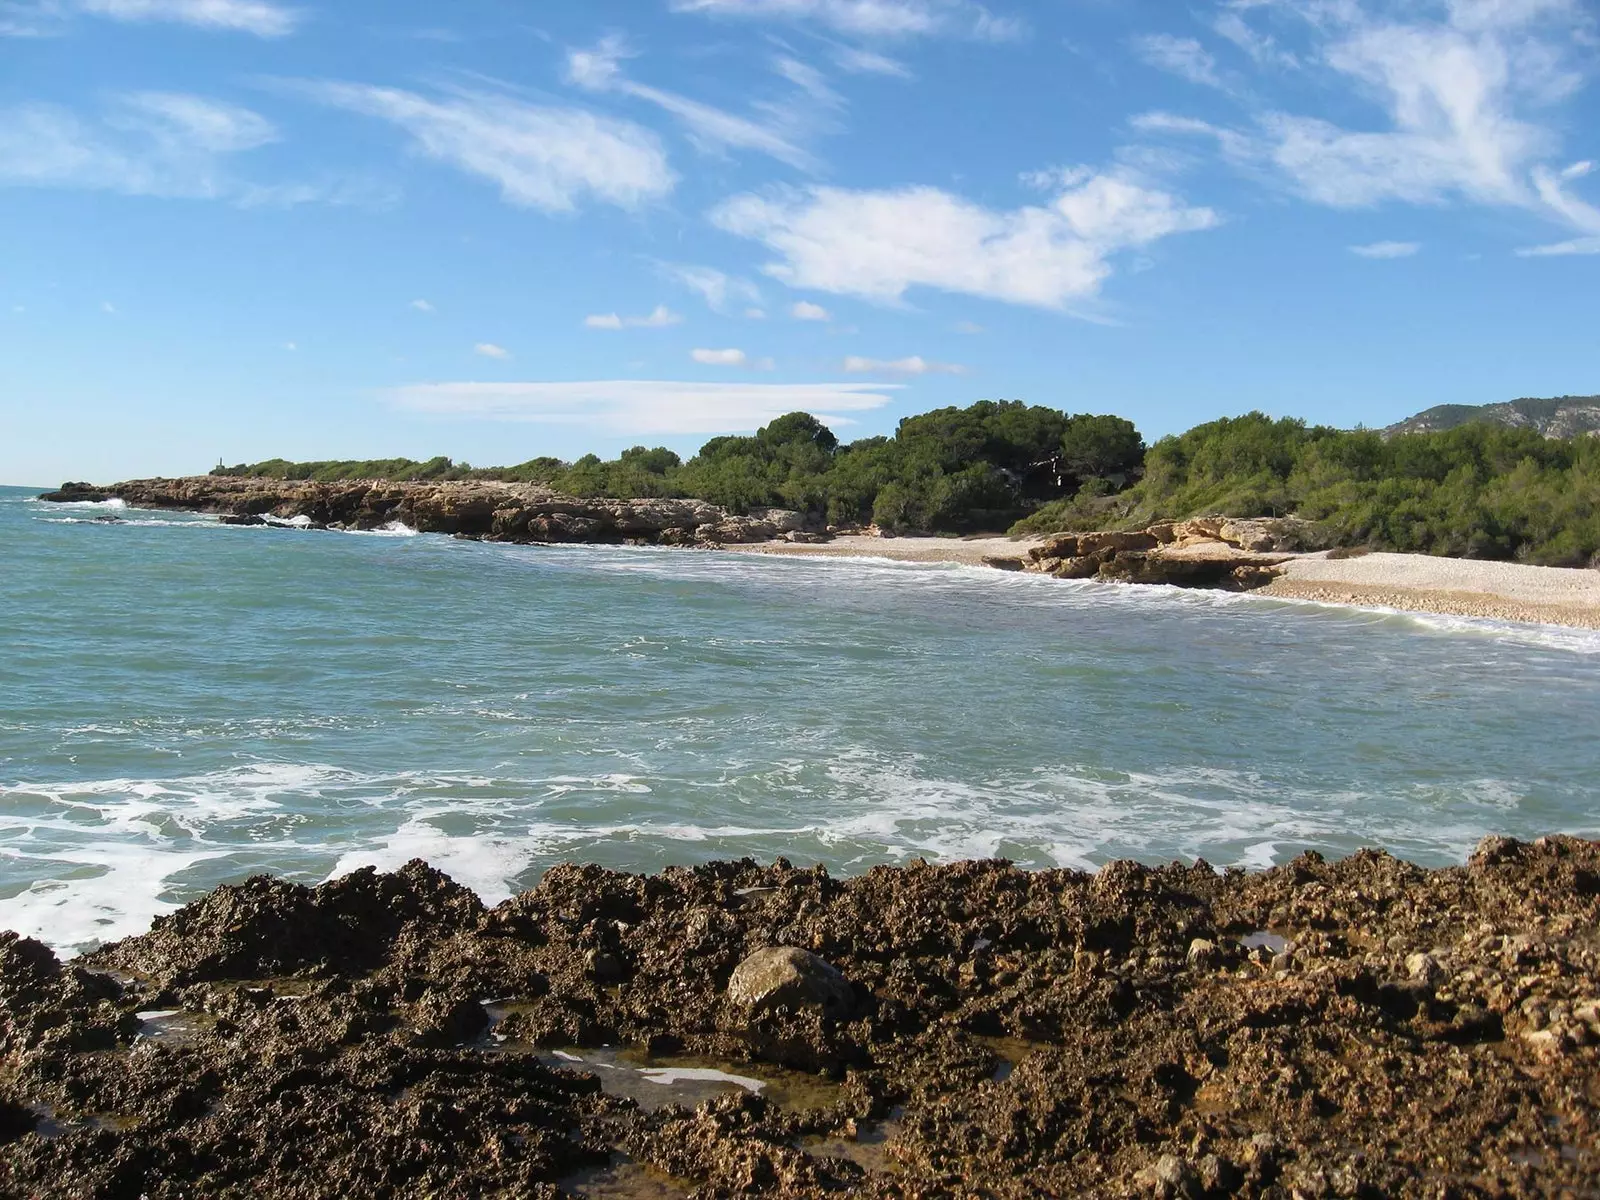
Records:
x=184, y=704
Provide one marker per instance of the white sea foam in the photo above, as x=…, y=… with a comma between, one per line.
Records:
x=115, y=504
x=112, y=849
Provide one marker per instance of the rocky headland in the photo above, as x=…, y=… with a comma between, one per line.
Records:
x=1212, y=552
x=499, y=512
x=1359, y=1028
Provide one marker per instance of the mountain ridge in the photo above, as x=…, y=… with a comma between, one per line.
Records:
x=1555, y=417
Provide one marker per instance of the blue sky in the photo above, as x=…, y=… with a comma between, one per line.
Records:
x=501, y=228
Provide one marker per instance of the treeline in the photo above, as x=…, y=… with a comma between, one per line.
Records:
x=954, y=470
x=1475, y=491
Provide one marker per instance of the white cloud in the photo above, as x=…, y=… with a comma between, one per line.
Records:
x=244, y=16
x=1464, y=89
x=540, y=156
x=1183, y=57
x=873, y=18
x=755, y=314
x=1262, y=47
x=659, y=318
x=1387, y=250
x=422, y=306
x=710, y=128
x=915, y=365
x=145, y=144
x=879, y=244
x=490, y=350
x=804, y=310
x=639, y=408
x=855, y=60
x=969, y=327
x=715, y=287
x=719, y=358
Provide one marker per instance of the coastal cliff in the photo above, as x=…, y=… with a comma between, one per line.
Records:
x=499, y=512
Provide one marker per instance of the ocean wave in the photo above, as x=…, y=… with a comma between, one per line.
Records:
x=104, y=856
x=115, y=504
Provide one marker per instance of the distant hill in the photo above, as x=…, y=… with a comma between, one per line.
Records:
x=1562, y=417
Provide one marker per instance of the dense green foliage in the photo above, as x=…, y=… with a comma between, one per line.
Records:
x=1476, y=491
x=1479, y=490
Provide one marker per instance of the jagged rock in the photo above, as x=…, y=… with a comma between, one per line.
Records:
x=788, y=977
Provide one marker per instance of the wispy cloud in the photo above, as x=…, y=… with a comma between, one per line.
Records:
x=856, y=60
x=777, y=131
x=636, y=407
x=873, y=18
x=144, y=144
x=244, y=16
x=1183, y=57
x=490, y=350
x=422, y=306
x=804, y=310
x=719, y=358
x=879, y=244
x=540, y=156
x=1386, y=250
x=659, y=318
x=1465, y=88
x=716, y=287
x=43, y=18
x=914, y=365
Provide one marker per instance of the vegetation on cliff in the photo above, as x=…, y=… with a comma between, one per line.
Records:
x=1477, y=490
x=950, y=470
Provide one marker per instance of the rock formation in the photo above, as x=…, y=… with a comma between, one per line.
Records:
x=1211, y=552
x=1321, y=1029
x=498, y=512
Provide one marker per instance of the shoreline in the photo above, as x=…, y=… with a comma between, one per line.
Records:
x=1417, y=583
x=969, y=1028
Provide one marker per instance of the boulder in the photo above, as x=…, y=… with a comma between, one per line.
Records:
x=788, y=977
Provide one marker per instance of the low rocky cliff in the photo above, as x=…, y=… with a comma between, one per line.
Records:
x=1212, y=552
x=501, y=512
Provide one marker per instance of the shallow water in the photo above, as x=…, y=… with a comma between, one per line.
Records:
x=184, y=704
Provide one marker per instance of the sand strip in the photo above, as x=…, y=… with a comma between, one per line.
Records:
x=1408, y=582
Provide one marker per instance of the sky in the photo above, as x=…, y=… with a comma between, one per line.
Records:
x=495, y=229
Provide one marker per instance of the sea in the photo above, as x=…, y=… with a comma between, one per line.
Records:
x=185, y=704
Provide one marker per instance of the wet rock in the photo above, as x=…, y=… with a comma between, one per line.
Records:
x=1015, y=1034
x=787, y=977
x=605, y=968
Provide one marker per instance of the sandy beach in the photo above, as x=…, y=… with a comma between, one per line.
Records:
x=1452, y=586
x=1407, y=582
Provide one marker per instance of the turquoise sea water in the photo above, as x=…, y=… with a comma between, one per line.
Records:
x=184, y=704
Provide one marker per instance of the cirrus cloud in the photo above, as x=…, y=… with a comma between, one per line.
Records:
x=540, y=156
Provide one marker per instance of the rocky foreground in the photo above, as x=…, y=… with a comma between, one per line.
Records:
x=1364, y=1028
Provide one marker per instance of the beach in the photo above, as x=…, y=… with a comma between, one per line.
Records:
x=1421, y=583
